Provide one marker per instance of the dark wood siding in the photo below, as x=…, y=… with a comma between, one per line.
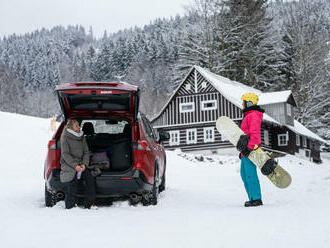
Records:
x=190, y=82
x=171, y=116
x=290, y=147
x=200, y=145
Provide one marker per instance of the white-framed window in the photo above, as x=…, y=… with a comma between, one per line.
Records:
x=187, y=107
x=266, y=137
x=209, y=105
x=188, y=86
x=191, y=136
x=174, y=138
x=209, y=134
x=204, y=84
x=297, y=140
x=304, y=141
x=283, y=139
x=288, y=109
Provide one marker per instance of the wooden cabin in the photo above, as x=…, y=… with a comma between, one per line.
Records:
x=190, y=114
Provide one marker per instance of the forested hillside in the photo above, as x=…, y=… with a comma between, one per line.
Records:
x=270, y=45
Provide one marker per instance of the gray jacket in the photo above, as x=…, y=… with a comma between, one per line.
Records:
x=74, y=151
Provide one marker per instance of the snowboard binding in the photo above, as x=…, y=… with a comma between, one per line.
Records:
x=269, y=167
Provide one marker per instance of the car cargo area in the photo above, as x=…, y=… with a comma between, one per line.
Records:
x=112, y=139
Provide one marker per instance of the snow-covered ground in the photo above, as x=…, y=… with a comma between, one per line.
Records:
x=202, y=206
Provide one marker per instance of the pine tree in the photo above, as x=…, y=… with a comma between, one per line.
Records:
x=91, y=62
x=103, y=63
x=250, y=52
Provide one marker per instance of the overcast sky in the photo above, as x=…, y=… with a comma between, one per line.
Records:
x=21, y=16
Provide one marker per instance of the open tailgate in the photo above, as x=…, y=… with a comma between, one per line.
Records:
x=92, y=99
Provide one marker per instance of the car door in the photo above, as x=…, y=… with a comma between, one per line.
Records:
x=158, y=152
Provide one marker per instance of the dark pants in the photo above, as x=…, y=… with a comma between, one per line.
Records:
x=72, y=188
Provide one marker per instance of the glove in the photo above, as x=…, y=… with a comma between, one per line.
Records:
x=246, y=152
x=242, y=145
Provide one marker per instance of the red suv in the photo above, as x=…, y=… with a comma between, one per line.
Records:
x=108, y=114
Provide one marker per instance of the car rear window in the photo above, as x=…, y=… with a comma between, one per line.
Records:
x=116, y=102
x=107, y=126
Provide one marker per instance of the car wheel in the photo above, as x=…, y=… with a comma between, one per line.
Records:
x=50, y=198
x=155, y=189
x=163, y=183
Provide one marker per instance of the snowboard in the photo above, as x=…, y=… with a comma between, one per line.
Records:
x=231, y=131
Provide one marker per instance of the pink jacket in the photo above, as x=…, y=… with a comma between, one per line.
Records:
x=251, y=125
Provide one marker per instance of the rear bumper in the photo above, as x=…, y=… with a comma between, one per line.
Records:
x=108, y=184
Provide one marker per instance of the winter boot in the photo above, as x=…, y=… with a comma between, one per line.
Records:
x=253, y=203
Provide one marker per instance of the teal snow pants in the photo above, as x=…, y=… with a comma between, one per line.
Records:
x=250, y=179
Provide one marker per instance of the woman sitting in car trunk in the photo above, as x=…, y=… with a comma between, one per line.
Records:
x=74, y=162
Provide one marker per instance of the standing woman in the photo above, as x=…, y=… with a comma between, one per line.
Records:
x=251, y=125
x=74, y=162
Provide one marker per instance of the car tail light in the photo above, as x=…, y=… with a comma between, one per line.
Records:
x=142, y=145
x=126, y=178
x=52, y=145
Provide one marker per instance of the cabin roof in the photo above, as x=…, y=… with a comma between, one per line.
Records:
x=302, y=130
x=275, y=97
x=233, y=90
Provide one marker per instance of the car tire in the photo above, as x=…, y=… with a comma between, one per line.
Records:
x=162, y=186
x=155, y=188
x=50, y=198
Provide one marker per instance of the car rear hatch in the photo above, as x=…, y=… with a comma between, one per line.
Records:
x=98, y=99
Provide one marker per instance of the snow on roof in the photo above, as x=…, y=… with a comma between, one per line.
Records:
x=233, y=90
x=274, y=97
x=302, y=130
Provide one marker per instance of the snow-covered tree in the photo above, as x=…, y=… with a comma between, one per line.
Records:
x=200, y=45
x=307, y=29
x=251, y=51
x=271, y=45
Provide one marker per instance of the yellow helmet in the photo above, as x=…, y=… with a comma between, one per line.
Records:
x=250, y=97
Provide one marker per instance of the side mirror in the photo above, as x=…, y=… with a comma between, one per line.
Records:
x=163, y=136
